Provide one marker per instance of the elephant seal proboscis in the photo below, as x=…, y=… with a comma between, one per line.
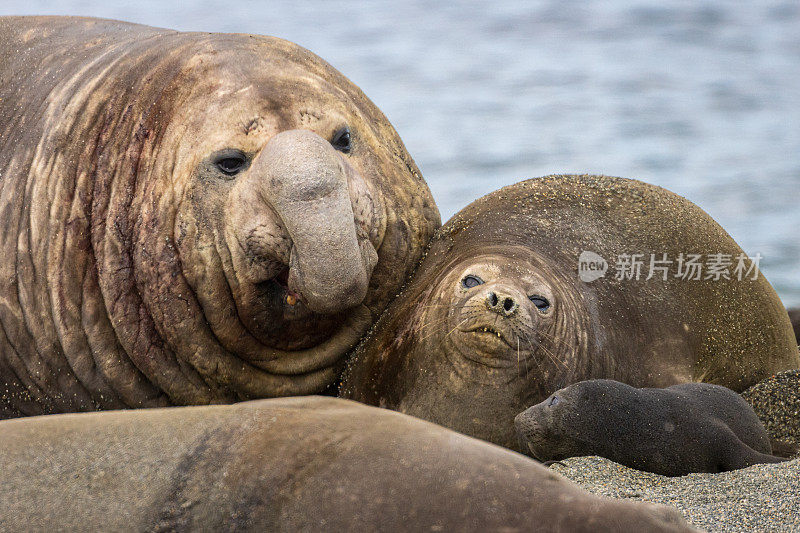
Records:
x=498, y=314
x=189, y=218
x=289, y=464
x=691, y=427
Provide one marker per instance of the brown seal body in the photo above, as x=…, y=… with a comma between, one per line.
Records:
x=497, y=316
x=794, y=316
x=188, y=218
x=293, y=464
x=691, y=427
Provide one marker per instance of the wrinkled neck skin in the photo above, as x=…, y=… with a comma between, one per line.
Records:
x=474, y=369
x=68, y=207
x=137, y=281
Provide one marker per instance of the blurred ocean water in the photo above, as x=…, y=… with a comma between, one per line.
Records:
x=702, y=98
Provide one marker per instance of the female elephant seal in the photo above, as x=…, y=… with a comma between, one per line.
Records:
x=691, y=427
x=292, y=464
x=497, y=316
x=188, y=217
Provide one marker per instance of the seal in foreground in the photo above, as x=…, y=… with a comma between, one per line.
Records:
x=294, y=464
x=497, y=316
x=188, y=218
x=691, y=427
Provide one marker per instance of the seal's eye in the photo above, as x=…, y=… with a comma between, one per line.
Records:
x=471, y=281
x=231, y=161
x=553, y=401
x=540, y=302
x=341, y=140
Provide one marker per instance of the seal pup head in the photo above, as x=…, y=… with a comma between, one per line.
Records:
x=566, y=423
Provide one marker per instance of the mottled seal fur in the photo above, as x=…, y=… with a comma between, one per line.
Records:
x=294, y=464
x=497, y=316
x=691, y=427
x=189, y=218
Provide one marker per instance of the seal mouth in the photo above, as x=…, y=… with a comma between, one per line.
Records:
x=487, y=332
x=280, y=319
x=290, y=298
x=282, y=278
x=532, y=452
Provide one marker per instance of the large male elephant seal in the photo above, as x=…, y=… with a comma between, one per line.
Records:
x=188, y=218
x=685, y=428
x=498, y=315
x=295, y=464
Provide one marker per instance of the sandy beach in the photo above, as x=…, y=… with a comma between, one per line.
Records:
x=760, y=498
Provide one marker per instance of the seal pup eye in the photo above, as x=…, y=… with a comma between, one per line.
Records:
x=341, y=140
x=540, y=302
x=553, y=401
x=471, y=281
x=231, y=162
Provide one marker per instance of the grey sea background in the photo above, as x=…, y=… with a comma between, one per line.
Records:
x=702, y=98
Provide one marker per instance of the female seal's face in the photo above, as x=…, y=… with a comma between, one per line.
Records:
x=490, y=339
x=500, y=309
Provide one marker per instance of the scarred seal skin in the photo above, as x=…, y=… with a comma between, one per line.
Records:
x=691, y=427
x=498, y=316
x=290, y=464
x=188, y=218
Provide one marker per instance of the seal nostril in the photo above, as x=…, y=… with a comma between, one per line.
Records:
x=508, y=304
x=493, y=299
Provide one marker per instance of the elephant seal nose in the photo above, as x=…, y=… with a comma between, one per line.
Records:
x=502, y=304
x=305, y=181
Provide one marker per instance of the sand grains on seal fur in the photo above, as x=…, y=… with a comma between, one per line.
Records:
x=497, y=316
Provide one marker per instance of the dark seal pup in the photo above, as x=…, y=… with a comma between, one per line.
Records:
x=188, y=218
x=497, y=316
x=691, y=427
x=296, y=464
